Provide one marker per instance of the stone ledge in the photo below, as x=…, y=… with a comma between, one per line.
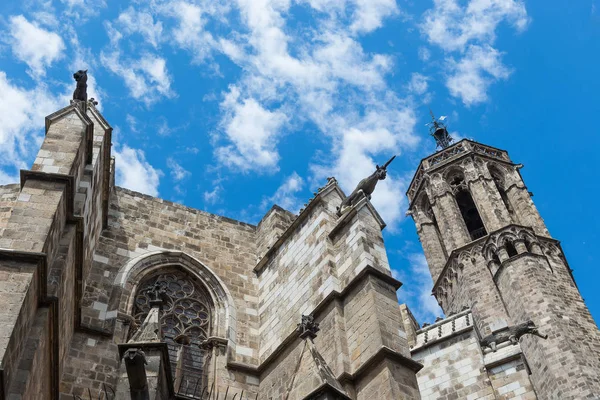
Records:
x=505, y=352
x=68, y=180
x=381, y=354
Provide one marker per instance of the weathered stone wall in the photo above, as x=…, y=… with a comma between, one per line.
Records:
x=454, y=366
x=345, y=282
x=32, y=379
x=512, y=274
x=530, y=291
x=271, y=227
x=8, y=195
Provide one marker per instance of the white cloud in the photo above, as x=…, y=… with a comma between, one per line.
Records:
x=147, y=79
x=134, y=172
x=214, y=196
x=452, y=26
x=416, y=291
x=470, y=31
x=133, y=21
x=178, y=173
x=21, y=125
x=190, y=33
x=35, y=46
x=286, y=195
x=418, y=83
x=474, y=73
x=252, y=129
x=369, y=14
x=424, y=54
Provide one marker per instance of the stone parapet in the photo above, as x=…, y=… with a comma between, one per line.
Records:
x=443, y=330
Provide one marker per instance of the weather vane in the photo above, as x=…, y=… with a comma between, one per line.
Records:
x=438, y=130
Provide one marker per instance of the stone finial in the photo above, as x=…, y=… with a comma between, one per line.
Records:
x=80, y=92
x=156, y=293
x=308, y=327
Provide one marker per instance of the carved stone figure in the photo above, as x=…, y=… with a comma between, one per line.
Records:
x=512, y=334
x=365, y=187
x=80, y=92
x=308, y=327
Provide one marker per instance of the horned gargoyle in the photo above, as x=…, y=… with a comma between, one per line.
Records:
x=365, y=187
x=80, y=92
x=512, y=334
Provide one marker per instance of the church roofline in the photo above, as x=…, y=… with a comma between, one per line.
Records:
x=144, y=196
x=456, y=151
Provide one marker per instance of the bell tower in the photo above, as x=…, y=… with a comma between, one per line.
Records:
x=489, y=250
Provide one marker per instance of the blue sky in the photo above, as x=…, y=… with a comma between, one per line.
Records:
x=231, y=106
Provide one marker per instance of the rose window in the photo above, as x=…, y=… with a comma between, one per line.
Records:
x=185, y=307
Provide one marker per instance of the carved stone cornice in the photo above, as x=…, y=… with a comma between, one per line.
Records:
x=451, y=154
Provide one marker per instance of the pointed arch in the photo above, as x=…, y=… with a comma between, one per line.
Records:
x=138, y=269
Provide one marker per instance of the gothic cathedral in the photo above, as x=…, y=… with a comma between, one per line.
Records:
x=111, y=294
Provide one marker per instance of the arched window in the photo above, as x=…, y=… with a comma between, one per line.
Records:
x=467, y=207
x=185, y=318
x=510, y=249
x=499, y=182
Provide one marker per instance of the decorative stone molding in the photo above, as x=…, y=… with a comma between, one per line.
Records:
x=443, y=330
x=455, y=152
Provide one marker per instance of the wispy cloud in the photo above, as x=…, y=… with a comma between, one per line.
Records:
x=178, y=173
x=134, y=172
x=146, y=78
x=416, y=291
x=469, y=32
x=35, y=46
x=286, y=195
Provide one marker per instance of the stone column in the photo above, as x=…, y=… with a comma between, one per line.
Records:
x=523, y=205
x=435, y=253
x=486, y=196
x=450, y=221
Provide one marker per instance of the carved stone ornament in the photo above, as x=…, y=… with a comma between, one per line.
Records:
x=308, y=327
x=80, y=92
x=186, y=306
x=513, y=334
x=135, y=354
x=365, y=187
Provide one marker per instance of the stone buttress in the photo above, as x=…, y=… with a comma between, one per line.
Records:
x=83, y=263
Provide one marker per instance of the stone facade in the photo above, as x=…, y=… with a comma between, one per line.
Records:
x=78, y=258
x=110, y=294
x=494, y=263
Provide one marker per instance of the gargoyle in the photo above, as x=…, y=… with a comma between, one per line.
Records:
x=365, y=187
x=80, y=92
x=512, y=334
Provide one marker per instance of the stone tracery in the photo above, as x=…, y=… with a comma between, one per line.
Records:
x=186, y=308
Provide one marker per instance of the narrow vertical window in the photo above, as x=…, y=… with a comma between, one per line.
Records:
x=467, y=207
x=510, y=249
x=499, y=182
